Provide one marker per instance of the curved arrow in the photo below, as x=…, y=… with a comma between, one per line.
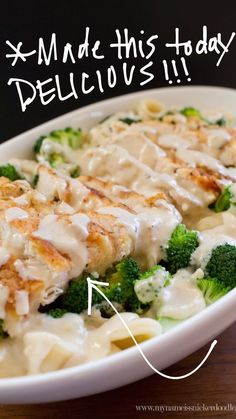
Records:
x=92, y=285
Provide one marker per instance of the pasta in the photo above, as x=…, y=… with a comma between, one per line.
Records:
x=141, y=201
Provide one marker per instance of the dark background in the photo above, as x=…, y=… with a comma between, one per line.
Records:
x=26, y=21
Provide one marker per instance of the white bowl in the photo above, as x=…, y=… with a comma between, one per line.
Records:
x=127, y=366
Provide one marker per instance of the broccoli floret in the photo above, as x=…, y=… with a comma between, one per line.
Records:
x=120, y=292
x=180, y=247
x=122, y=280
x=152, y=271
x=189, y=111
x=137, y=306
x=224, y=200
x=69, y=137
x=10, y=172
x=3, y=334
x=212, y=289
x=222, y=265
x=148, y=287
x=221, y=122
x=35, y=180
x=127, y=270
x=55, y=160
x=75, y=299
x=75, y=172
x=38, y=144
x=128, y=120
x=57, y=313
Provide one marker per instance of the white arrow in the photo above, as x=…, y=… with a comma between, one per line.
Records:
x=92, y=285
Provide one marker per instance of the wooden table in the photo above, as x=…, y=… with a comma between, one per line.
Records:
x=214, y=383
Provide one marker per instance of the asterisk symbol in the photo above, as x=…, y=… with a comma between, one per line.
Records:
x=18, y=54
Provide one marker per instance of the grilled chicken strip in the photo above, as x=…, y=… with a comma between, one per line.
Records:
x=41, y=249
x=144, y=159
x=142, y=217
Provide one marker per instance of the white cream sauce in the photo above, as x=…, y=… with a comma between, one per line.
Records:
x=51, y=184
x=194, y=158
x=147, y=289
x=217, y=137
x=22, y=302
x=117, y=165
x=50, y=147
x=78, y=192
x=4, y=294
x=67, y=237
x=133, y=158
x=213, y=237
x=43, y=344
x=21, y=200
x=182, y=298
x=15, y=213
x=64, y=208
x=11, y=239
x=141, y=148
x=150, y=229
x=47, y=344
x=4, y=256
x=24, y=271
x=175, y=141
